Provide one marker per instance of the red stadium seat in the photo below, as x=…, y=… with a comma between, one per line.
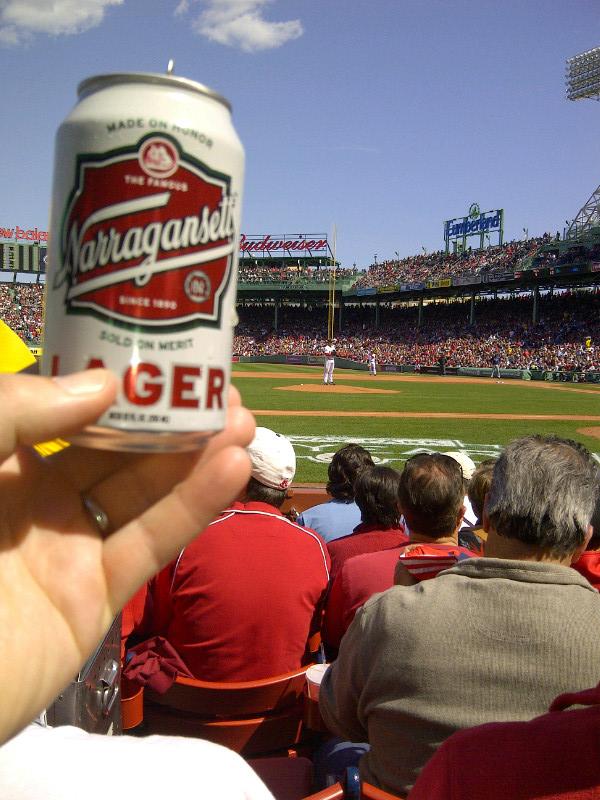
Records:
x=253, y=717
x=132, y=705
x=337, y=792
x=286, y=778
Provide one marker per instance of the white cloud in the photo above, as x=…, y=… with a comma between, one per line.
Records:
x=21, y=19
x=240, y=23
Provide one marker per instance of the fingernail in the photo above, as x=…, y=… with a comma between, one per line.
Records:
x=88, y=382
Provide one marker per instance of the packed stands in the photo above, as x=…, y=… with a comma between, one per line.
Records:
x=515, y=257
x=257, y=272
x=502, y=328
x=431, y=266
x=21, y=308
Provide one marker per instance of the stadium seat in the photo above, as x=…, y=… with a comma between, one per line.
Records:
x=286, y=778
x=253, y=717
x=352, y=789
x=132, y=705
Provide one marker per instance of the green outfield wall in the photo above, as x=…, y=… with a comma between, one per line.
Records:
x=472, y=372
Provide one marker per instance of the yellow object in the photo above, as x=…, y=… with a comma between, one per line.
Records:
x=14, y=353
x=48, y=448
x=14, y=357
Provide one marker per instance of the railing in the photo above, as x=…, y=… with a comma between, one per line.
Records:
x=342, y=284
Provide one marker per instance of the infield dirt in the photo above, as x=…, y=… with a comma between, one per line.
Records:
x=318, y=388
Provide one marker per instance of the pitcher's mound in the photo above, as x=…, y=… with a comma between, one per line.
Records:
x=320, y=388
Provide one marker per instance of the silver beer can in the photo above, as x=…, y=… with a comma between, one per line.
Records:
x=143, y=251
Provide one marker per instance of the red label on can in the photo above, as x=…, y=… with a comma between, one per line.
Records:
x=148, y=238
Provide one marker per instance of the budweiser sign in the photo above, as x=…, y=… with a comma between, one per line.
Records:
x=267, y=244
x=148, y=238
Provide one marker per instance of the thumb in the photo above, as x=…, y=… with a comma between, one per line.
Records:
x=36, y=409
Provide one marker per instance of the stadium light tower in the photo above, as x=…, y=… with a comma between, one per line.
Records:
x=583, y=82
x=583, y=75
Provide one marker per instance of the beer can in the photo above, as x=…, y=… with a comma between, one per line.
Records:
x=143, y=252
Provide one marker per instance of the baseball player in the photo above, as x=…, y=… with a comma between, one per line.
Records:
x=329, y=351
x=372, y=364
x=496, y=366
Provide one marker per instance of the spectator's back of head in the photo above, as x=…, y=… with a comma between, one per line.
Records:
x=345, y=467
x=431, y=494
x=479, y=486
x=273, y=467
x=376, y=494
x=543, y=494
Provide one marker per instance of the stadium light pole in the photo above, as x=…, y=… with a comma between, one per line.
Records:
x=583, y=75
x=583, y=82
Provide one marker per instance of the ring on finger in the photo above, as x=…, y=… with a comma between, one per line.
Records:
x=96, y=513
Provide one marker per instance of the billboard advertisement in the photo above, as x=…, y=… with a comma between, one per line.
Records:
x=475, y=223
x=439, y=283
x=16, y=232
x=265, y=245
x=496, y=277
x=466, y=280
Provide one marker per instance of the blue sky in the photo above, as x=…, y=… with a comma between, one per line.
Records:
x=383, y=117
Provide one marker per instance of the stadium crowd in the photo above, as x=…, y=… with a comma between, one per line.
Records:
x=503, y=333
x=277, y=273
x=416, y=268
x=21, y=308
x=431, y=266
x=565, y=338
x=431, y=626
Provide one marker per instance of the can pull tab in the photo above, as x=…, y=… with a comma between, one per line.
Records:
x=170, y=66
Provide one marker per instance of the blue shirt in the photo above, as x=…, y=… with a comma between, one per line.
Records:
x=332, y=520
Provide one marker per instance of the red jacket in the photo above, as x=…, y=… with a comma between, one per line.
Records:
x=589, y=566
x=553, y=756
x=242, y=600
x=363, y=539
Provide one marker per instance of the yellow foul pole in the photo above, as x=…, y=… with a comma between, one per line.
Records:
x=331, y=299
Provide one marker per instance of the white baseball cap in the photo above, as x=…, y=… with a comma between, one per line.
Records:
x=273, y=459
x=466, y=463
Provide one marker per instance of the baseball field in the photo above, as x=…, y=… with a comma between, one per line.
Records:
x=395, y=416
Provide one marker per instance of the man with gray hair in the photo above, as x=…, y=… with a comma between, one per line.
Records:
x=491, y=639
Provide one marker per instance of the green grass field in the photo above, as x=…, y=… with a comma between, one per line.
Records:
x=338, y=418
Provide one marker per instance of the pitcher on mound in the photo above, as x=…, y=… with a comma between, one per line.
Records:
x=329, y=351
